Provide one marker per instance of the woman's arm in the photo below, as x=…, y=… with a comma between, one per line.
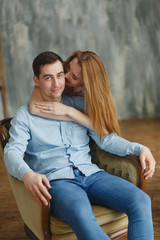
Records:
x=54, y=110
x=37, y=97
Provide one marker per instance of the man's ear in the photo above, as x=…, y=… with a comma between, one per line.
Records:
x=36, y=81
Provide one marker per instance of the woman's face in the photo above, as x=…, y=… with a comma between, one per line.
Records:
x=73, y=75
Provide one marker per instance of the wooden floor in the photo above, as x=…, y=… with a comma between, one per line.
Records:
x=145, y=131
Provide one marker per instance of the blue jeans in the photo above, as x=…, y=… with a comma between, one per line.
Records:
x=72, y=198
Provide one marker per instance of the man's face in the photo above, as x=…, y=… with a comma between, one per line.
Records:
x=51, y=81
x=74, y=74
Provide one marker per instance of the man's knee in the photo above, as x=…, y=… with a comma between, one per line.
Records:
x=142, y=203
x=142, y=198
x=145, y=202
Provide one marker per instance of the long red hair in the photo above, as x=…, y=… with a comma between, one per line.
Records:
x=100, y=105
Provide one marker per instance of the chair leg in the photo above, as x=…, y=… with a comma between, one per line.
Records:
x=29, y=233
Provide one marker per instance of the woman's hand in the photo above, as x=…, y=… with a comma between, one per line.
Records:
x=148, y=163
x=54, y=108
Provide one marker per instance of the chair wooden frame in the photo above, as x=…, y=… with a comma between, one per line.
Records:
x=2, y=84
x=45, y=213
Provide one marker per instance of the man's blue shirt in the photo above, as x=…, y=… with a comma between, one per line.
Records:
x=53, y=147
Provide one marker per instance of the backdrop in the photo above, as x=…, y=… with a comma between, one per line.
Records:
x=124, y=33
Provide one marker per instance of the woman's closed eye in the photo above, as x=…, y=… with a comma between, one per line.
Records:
x=74, y=77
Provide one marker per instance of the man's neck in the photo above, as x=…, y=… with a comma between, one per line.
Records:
x=49, y=99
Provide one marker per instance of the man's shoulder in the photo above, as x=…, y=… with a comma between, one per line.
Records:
x=22, y=109
x=22, y=113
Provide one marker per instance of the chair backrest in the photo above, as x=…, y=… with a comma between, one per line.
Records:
x=4, y=133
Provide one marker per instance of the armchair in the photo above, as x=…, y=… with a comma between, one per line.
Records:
x=38, y=222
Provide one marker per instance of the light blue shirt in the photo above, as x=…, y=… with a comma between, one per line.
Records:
x=53, y=147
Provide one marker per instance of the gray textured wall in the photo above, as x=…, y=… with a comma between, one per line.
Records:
x=124, y=33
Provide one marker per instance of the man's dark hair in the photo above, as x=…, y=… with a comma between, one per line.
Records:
x=42, y=59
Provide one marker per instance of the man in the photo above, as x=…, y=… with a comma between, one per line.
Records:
x=52, y=158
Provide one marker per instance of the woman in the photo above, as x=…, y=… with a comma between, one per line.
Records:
x=85, y=72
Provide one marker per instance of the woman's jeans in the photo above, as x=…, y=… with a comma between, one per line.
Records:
x=72, y=198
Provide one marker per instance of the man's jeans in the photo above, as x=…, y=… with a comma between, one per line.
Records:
x=72, y=198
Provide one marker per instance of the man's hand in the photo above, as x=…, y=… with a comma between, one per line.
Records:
x=148, y=163
x=37, y=185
